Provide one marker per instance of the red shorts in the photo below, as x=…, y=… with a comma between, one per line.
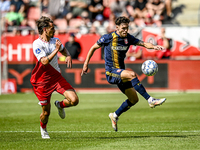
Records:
x=44, y=92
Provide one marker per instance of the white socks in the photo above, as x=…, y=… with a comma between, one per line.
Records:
x=150, y=99
x=115, y=115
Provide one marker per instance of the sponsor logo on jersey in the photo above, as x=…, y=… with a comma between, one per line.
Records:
x=119, y=48
x=112, y=74
x=125, y=41
x=37, y=51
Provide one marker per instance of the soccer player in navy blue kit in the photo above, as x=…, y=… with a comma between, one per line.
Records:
x=116, y=44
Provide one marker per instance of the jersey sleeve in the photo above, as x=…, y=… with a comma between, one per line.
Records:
x=61, y=48
x=104, y=40
x=38, y=51
x=133, y=40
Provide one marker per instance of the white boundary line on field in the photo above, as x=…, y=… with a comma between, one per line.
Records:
x=149, y=90
x=174, y=131
x=116, y=90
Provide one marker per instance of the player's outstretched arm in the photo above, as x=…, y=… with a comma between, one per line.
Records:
x=89, y=55
x=150, y=45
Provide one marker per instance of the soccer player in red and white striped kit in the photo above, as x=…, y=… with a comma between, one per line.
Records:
x=46, y=77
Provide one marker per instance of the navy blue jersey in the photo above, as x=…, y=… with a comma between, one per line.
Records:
x=115, y=48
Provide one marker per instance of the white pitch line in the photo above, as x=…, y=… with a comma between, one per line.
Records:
x=175, y=131
x=17, y=101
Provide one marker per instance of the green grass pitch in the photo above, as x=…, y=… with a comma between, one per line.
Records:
x=175, y=125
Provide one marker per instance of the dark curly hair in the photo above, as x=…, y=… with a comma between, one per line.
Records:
x=122, y=19
x=42, y=23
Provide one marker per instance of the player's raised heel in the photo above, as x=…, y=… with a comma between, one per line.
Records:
x=113, y=121
x=156, y=102
x=44, y=133
x=61, y=111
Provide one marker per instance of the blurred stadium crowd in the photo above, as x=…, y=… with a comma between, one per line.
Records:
x=81, y=16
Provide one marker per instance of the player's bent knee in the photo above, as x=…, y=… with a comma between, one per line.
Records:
x=46, y=113
x=133, y=75
x=74, y=101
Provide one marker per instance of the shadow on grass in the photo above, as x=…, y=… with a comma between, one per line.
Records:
x=122, y=137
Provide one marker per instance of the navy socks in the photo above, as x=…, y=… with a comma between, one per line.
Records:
x=140, y=88
x=126, y=105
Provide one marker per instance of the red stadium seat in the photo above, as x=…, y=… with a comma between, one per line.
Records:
x=32, y=24
x=75, y=22
x=34, y=13
x=61, y=25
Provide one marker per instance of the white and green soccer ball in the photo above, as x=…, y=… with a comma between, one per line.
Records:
x=149, y=67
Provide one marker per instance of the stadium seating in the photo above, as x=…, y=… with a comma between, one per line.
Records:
x=34, y=13
x=61, y=25
x=32, y=24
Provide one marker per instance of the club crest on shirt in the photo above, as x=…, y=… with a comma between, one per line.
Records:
x=37, y=51
x=125, y=41
x=118, y=70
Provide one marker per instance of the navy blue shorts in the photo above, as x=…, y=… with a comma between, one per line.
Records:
x=114, y=77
